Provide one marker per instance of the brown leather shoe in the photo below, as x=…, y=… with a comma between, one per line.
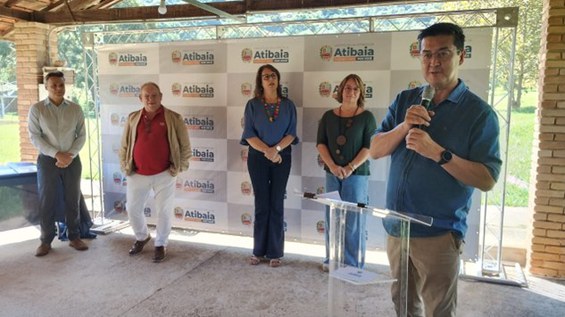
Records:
x=43, y=249
x=160, y=254
x=77, y=244
x=137, y=247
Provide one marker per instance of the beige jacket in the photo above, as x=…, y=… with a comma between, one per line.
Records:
x=179, y=142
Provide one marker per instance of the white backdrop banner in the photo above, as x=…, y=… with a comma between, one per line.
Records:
x=209, y=82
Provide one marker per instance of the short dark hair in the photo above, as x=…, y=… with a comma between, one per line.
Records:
x=57, y=74
x=444, y=28
x=259, y=81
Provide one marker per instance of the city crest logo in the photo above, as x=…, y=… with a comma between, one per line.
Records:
x=321, y=227
x=246, y=55
x=414, y=50
x=325, y=89
x=246, y=89
x=326, y=53
x=179, y=213
x=246, y=219
x=246, y=188
x=244, y=154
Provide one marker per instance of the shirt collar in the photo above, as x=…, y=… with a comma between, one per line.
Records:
x=159, y=111
x=458, y=92
x=48, y=102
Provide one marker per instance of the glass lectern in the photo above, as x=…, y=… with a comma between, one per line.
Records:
x=342, y=276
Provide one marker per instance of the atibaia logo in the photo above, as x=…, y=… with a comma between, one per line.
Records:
x=199, y=123
x=125, y=90
x=202, y=57
x=356, y=53
x=199, y=185
x=325, y=89
x=127, y=59
x=271, y=56
x=193, y=90
x=202, y=154
x=348, y=53
x=203, y=216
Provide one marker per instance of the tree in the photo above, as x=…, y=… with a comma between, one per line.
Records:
x=7, y=62
x=528, y=41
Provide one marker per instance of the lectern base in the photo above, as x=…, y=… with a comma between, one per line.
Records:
x=358, y=276
x=105, y=226
x=512, y=275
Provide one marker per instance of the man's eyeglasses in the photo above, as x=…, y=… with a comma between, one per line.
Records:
x=441, y=55
x=269, y=76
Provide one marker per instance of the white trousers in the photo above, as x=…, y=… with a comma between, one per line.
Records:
x=138, y=189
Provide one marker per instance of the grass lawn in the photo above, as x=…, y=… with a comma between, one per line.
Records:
x=10, y=140
x=10, y=144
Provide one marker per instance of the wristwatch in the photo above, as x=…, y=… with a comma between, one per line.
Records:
x=446, y=156
x=278, y=148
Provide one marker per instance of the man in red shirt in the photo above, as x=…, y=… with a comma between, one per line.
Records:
x=155, y=148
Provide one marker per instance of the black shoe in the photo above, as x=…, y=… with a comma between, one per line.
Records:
x=160, y=254
x=137, y=247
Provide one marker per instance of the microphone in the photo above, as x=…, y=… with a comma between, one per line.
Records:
x=427, y=96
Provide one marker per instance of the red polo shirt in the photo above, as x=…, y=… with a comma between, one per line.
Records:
x=151, y=150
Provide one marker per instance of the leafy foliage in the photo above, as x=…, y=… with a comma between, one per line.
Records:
x=7, y=62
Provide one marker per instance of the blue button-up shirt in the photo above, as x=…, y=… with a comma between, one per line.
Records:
x=468, y=127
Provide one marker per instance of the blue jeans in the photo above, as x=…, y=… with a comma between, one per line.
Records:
x=269, y=186
x=353, y=189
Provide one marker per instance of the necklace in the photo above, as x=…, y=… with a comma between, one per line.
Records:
x=341, y=139
x=275, y=112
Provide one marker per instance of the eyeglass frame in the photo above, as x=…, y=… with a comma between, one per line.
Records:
x=441, y=55
x=269, y=76
x=355, y=89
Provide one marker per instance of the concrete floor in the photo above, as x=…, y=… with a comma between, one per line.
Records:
x=206, y=274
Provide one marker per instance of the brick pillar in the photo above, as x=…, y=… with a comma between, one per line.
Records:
x=32, y=44
x=547, y=256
